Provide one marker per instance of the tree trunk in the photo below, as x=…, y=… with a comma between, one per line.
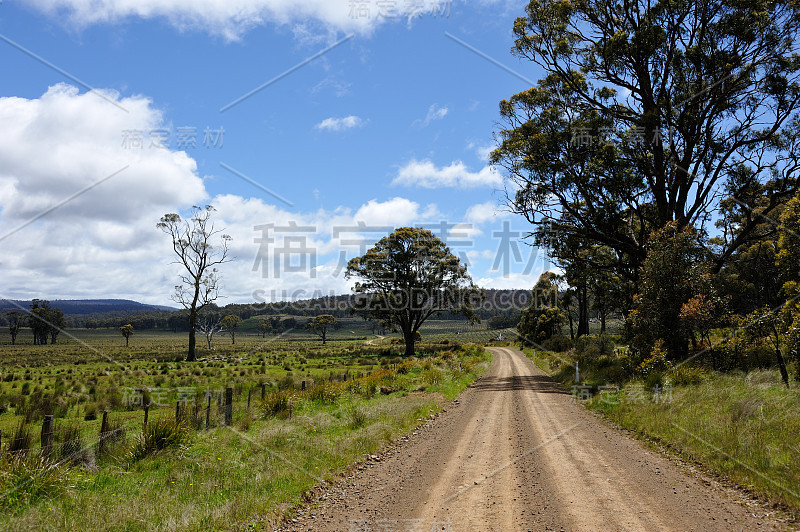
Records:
x=191, y=357
x=782, y=366
x=571, y=326
x=583, y=311
x=409, y=338
x=126, y=341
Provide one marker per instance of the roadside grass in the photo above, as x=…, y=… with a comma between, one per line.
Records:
x=745, y=426
x=244, y=476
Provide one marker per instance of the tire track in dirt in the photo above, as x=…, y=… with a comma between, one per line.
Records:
x=514, y=452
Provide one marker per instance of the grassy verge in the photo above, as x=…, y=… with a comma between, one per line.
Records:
x=240, y=477
x=743, y=426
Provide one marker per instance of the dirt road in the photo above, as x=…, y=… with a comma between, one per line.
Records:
x=516, y=453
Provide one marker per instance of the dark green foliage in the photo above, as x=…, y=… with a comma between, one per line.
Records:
x=409, y=276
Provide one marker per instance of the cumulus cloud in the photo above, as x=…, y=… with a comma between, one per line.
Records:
x=231, y=18
x=65, y=141
x=78, y=207
x=425, y=174
x=394, y=212
x=340, y=124
x=483, y=212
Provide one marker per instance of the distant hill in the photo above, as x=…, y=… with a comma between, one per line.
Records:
x=78, y=307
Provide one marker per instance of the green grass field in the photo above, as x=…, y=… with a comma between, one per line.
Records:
x=358, y=395
x=745, y=426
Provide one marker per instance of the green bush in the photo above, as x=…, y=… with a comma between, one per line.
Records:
x=590, y=346
x=558, y=343
x=159, y=435
x=685, y=374
x=277, y=403
x=26, y=478
x=357, y=417
x=325, y=392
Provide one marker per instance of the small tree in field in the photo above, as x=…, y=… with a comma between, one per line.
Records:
x=230, y=323
x=407, y=277
x=764, y=323
x=209, y=325
x=320, y=325
x=192, y=243
x=127, y=332
x=16, y=320
x=264, y=327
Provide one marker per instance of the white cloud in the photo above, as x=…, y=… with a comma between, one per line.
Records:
x=425, y=174
x=65, y=141
x=104, y=239
x=434, y=113
x=231, y=18
x=340, y=124
x=475, y=254
x=482, y=152
x=394, y=212
x=483, y=212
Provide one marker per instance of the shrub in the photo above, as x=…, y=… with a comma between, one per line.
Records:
x=594, y=346
x=324, y=392
x=357, y=417
x=686, y=374
x=405, y=367
x=90, y=412
x=657, y=361
x=159, y=435
x=432, y=376
x=287, y=381
x=558, y=343
x=277, y=403
x=25, y=479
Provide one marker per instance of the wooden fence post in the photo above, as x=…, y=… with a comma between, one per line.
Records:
x=263, y=391
x=228, y=405
x=146, y=414
x=208, y=412
x=101, y=443
x=303, y=385
x=47, y=436
x=178, y=411
x=249, y=394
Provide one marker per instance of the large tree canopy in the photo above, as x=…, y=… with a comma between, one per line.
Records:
x=407, y=277
x=652, y=112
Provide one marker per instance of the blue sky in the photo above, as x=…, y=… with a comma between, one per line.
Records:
x=389, y=127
